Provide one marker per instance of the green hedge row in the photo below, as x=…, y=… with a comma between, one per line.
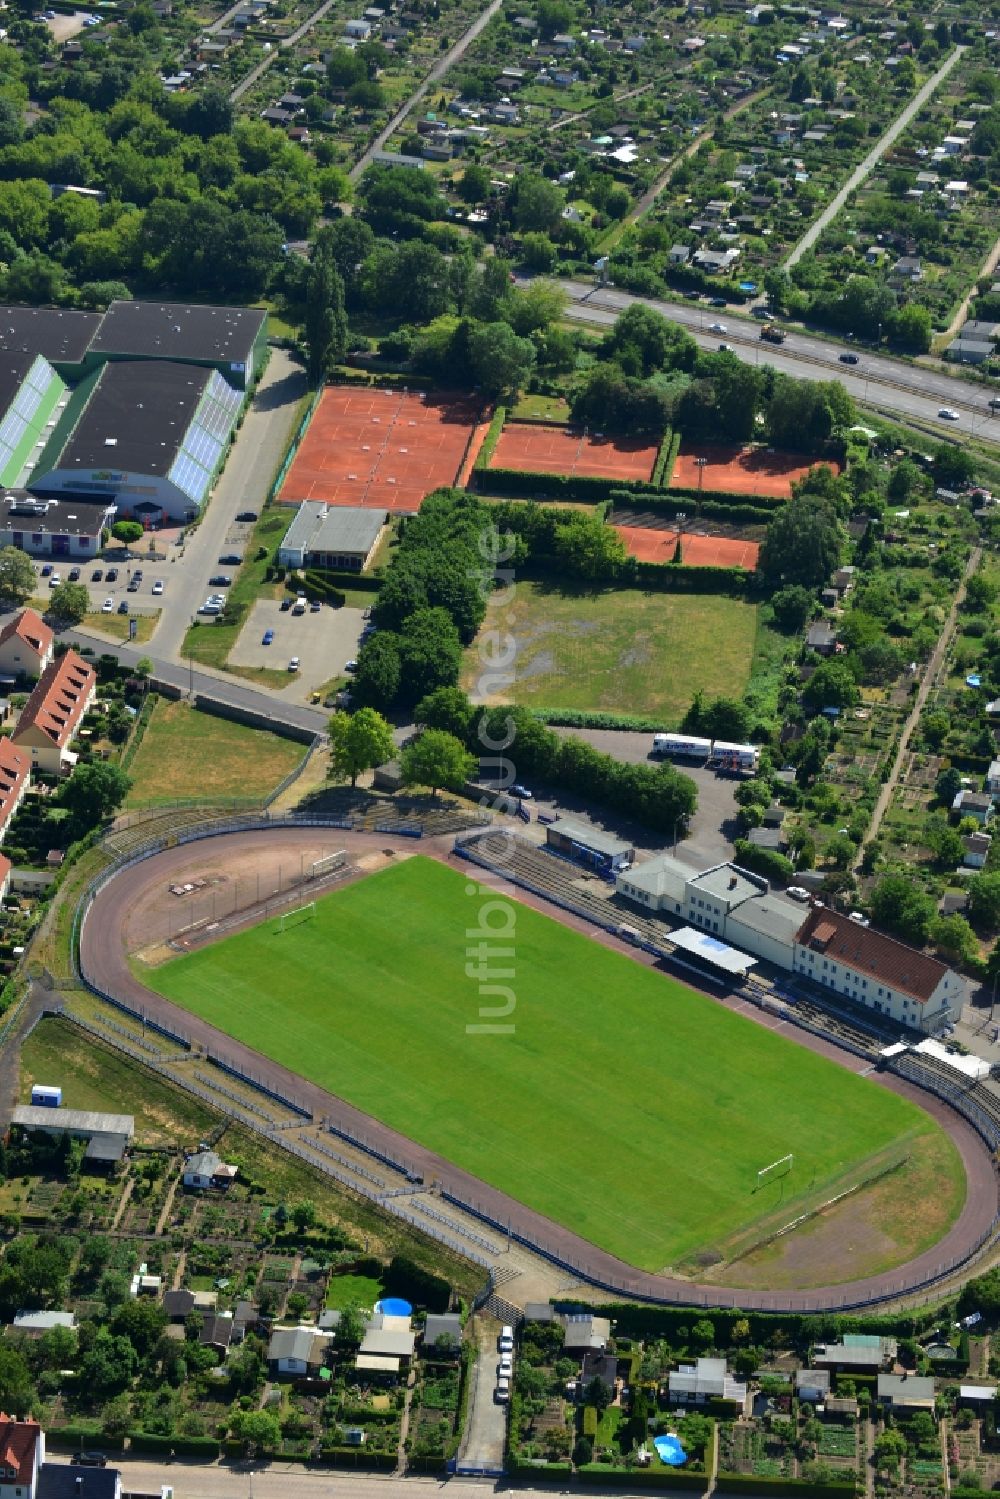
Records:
x=518, y=484
x=676, y=578
x=315, y=586
x=666, y=458
x=141, y=725
x=357, y=1457
x=673, y=1324
x=424, y=1463
x=748, y=1483
x=491, y=439
x=555, y=1472
x=581, y=718
x=672, y=502
x=643, y=1478
x=77, y=1438
x=154, y=1441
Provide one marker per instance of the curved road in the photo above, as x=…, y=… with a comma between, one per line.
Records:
x=105, y=967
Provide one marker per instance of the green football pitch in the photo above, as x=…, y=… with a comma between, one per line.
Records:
x=622, y=1104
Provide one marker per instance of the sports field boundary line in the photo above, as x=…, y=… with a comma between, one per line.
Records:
x=504, y=1214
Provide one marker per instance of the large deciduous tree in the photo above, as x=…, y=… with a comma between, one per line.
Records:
x=358, y=742
x=437, y=759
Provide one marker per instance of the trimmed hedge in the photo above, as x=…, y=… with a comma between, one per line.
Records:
x=517, y=484
x=424, y=1463
x=491, y=439
x=672, y=502
x=357, y=1457
x=673, y=1324
x=581, y=718
x=678, y=578
x=78, y=1438
x=315, y=586
x=556, y=1472
x=666, y=458
x=643, y=1478
x=154, y=1441
x=748, y=1483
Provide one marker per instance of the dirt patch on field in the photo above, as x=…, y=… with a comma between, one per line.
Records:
x=872, y=1230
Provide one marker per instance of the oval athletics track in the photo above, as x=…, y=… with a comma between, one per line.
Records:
x=123, y=916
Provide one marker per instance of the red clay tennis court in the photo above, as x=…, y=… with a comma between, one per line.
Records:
x=696, y=551
x=383, y=448
x=558, y=450
x=741, y=470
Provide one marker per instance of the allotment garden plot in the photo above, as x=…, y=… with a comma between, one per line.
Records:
x=620, y=650
x=383, y=448
x=740, y=470
x=371, y=999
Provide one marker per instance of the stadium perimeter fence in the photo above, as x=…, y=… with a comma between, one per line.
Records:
x=635, y=1290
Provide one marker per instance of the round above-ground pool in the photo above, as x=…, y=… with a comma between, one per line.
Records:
x=670, y=1451
x=394, y=1306
x=939, y=1350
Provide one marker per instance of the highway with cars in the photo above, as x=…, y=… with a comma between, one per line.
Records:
x=904, y=389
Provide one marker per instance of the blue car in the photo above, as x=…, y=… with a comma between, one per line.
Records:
x=268, y=637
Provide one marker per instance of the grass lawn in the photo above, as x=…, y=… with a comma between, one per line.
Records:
x=116, y=625
x=621, y=1103
x=621, y=650
x=358, y=1291
x=185, y=752
x=540, y=408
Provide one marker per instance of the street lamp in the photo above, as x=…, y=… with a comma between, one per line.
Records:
x=701, y=462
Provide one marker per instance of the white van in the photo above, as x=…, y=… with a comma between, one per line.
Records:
x=502, y=1391
x=506, y=1343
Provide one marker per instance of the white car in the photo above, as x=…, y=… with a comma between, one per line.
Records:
x=502, y=1392
x=293, y=665
x=158, y=586
x=108, y=607
x=505, y=1368
x=506, y=1343
x=949, y=414
x=718, y=328
x=54, y=580
x=208, y=607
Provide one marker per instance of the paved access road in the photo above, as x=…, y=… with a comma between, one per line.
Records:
x=874, y=156
x=243, y=485
x=909, y=391
x=291, y=1481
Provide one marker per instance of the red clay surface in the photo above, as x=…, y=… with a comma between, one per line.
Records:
x=696, y=551
x=558, y=450
x=741, y=470
x=382, y=448
x=104, y=964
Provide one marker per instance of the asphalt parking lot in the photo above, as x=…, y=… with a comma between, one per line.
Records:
x=323, y=641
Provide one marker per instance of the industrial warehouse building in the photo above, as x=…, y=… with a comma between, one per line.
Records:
x=150, y=439
x=846, y=956
x=133, y=409
x=332, y=536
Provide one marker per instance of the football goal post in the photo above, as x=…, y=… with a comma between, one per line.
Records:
x=296, y=917
x=774, y=1172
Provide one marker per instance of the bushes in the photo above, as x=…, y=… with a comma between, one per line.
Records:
x=149, y=1441
x=582, y=718
x=748, y=1483
x=317, y=585
x=642, y=1478
x=765, y=861
x=676, y=578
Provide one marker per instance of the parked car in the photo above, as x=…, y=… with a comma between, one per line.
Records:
x=158, y=586
x=717, y=302
x=111, y=576
x=137, y=574
x=231, y=559
x=209, y=607
x=123, y=607
x=726, y=349
x=299, y=607
x=54, y=580
x=949, y=414
x=89, y=1460
x=133, y=585
x=97, y=575
x=522, y=791
x=46, y=569
x=293, y=665
x=506, y=1341
x=268, y=637
x=247, y=515
x=286, y=604
x=350, y=666
x=505, y=1368
x=74, y=575
x=848, y=358
x=315, y=606
x=221, y=580
x=718, y=328
x=108, y=606
x=502, y=1391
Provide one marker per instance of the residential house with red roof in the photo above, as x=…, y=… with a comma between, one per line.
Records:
x=51, y=717
x=22, y=1452
x=25, y=645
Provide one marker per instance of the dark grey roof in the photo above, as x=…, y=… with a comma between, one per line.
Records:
x=21, y=511
x=59, y=335
x=135, y=419
x=105, y=1148
x=442, y=1325
x=63, y=1481
x=178, y=1303
x=178, y=330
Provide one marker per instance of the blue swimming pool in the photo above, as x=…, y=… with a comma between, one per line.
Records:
x=670, y=1451
x=394, y=1306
